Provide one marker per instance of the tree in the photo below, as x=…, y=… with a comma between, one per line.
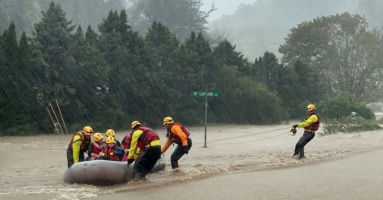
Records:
x=133, y=81
x=245, y=100
x=164, y=49
x=342, y=106
x=92, y=71
x=26, y=13
x=91, y=37
x=266, y=70
x=20, y=111
x=227, y=55
x=343, y=52
x=59, y=77
x=181, y=16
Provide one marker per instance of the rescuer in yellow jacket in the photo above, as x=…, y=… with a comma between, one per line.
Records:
x=310, y=125
x=148, y=143
x=78, y=145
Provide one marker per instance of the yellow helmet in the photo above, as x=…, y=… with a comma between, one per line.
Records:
x=310, y=107
x=110, y=132
x=168, y=120
x=110, y=140
x=87, y=130
x=135, y=123
x=97, y=137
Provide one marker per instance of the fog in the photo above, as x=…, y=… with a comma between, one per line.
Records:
x=262, y=25
x=223, y=7
x=254, y=26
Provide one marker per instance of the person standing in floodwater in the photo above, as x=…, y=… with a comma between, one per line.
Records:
x=176, y=133
x=148, y=143
x=310, y=125
x=78, y=145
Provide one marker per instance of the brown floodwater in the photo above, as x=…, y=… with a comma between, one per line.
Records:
x=248, y=157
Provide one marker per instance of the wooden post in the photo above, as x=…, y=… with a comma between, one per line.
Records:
x=50, y=115
x=66, y=130
x=58, y=122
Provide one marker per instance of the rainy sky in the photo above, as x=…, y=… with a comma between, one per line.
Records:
x=224, y=7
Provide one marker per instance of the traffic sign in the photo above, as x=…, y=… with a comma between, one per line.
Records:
x=209, y=94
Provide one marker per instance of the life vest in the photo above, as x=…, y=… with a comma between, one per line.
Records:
x=96, y=148
x=175, y=138
x=314, y=126
x=126, y=141
x=147, y=136
x=109, y=152
x=85, y=142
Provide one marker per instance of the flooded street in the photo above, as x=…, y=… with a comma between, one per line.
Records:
x=242, y=162
x=347, y=178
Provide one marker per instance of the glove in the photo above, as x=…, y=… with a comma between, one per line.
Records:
x=293, y=130
x=295, y=126
x=130, y=160
x=186, y=149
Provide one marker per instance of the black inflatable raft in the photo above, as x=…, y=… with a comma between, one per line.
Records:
x=104, y=172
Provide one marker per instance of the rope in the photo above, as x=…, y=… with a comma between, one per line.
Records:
x=269, y=137
x=242, y=136
x=284, y=133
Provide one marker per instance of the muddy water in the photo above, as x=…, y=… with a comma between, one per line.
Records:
x=33, y=167
x=346, y=178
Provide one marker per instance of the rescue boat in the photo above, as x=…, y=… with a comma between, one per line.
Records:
x=104, y=172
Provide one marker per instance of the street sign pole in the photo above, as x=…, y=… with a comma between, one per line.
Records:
x=205, y=115
x=206, y=94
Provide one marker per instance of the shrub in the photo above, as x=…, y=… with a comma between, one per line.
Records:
x=347, y=125
x=342, y=106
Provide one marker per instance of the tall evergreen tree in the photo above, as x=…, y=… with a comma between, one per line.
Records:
x=266, y=70
x=91, y=37
x=132, y=80
x=91, y=88
x=20, y=111
x=195, y=60
x=181, y=16
x=229, y=56
x=164, y=50
x=60, y=76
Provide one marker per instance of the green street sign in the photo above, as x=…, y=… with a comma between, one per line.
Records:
x=209, y=94
x=213, y=94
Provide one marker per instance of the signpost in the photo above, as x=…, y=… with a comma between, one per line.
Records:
x=209, y=94
x=206, y=94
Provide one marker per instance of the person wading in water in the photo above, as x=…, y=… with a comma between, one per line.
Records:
x=310, y=125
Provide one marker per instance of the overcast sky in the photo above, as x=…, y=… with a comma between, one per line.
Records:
x=224, y=7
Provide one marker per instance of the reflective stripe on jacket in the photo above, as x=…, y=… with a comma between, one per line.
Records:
x=141, y=138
